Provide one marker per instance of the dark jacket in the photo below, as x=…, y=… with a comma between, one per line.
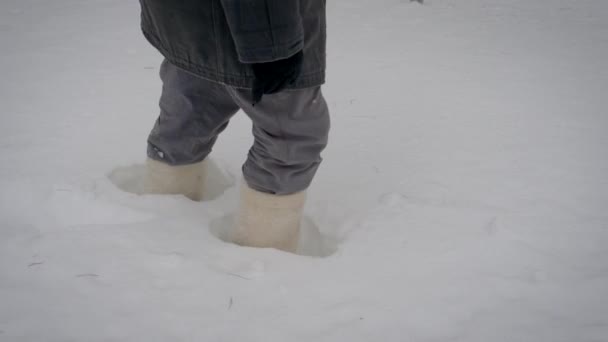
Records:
x=219, y=39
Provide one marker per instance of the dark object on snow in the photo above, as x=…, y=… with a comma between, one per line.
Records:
x=299, y=116
x=272, y=77
x=220, y=40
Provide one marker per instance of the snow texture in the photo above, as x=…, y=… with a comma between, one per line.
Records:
x=463, y=196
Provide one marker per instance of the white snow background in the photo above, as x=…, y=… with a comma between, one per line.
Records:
x=463, y=196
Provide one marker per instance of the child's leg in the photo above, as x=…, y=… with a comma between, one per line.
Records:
x=291, y=130
x=194, y=111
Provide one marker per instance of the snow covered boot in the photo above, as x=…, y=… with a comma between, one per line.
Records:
x=187, y=180
x=269, y=221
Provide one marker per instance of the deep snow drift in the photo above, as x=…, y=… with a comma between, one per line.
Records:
x=463, y=196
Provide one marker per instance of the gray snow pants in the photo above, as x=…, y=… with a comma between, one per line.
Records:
x=290, y=129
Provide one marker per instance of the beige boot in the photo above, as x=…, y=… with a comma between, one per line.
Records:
x=187, y=180
x=269, y=221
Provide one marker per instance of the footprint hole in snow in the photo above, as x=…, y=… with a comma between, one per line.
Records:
x=130, y=179
x=311, y=243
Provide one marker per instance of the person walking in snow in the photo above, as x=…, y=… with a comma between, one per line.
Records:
x=265, y=57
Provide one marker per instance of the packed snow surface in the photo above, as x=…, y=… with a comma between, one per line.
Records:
x=463, y=196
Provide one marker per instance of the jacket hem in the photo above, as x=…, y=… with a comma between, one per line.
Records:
x=242, y=82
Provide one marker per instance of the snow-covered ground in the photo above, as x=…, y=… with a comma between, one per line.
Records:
x=464, y=195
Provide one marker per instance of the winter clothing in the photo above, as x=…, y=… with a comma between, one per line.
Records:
x=222, y=56
x=266, y=220
x=290, y=129
x=220, y=39
x=187, y=180
x=273, y=77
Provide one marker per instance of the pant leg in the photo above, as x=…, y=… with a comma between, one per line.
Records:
x=291, y=130
x=193, y=112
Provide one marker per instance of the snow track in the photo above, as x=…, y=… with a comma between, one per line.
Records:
x=463, y=195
